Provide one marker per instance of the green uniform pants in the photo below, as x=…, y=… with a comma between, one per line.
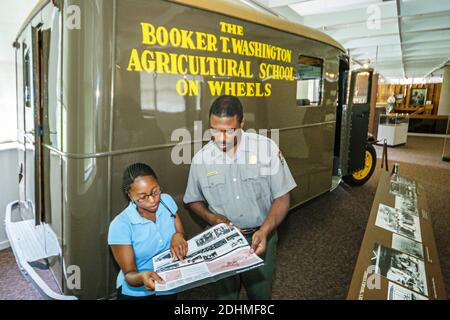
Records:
x=257, y=282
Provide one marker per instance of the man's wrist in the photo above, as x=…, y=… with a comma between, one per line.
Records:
x=215, y=219
x=265, y=230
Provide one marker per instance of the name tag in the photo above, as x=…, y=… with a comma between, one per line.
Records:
x=252, y=159
x=212, y=173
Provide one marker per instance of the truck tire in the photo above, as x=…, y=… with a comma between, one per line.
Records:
x=360, y=177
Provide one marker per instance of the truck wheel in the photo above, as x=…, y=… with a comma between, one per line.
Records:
x=360, y=177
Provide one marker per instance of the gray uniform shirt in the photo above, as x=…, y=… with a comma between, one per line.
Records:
x=243, y=187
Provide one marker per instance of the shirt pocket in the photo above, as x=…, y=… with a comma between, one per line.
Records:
x=255, y=183
x=214, y=190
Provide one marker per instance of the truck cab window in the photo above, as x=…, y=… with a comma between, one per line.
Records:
x=361, y=95
x=309, y=81
x=26, y=78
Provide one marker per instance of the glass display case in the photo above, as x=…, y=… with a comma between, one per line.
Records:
x=393, y=128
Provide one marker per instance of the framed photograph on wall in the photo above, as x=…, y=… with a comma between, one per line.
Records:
x=418, y=96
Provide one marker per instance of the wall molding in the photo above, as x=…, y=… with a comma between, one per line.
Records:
x=6, y=146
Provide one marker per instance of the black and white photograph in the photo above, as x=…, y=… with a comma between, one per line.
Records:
x=232, y=236
x=406, y=181
x=210, y=256
x=407, y=205
x=402, y=190
x=399, y=222
x=215, y=245
x=223, y=229
x=206, y=238
x=396, y=292
x=195, y=259
x=400, y=267
x=238, y=242
x=408, y=246
x=163, y=257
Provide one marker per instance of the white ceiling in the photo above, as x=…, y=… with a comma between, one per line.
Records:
x=410, y=39
x=399, y=38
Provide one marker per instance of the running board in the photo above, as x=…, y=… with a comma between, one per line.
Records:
x=26, y=241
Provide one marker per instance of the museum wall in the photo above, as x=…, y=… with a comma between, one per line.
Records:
x=405, y=100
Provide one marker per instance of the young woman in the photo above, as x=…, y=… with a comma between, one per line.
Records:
x=148, y=226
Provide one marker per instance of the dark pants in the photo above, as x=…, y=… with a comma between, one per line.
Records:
x=121, y=296
x=257, y=282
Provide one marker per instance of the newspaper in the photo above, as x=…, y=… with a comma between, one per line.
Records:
x=214, y=254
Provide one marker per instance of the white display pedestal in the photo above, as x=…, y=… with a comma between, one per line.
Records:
x=395, y=134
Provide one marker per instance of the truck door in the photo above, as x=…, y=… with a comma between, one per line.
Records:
x=38, y=117
x=359, y=106
x=341, y=103
x=47, y=172
x=40, y=169
x=23, y=67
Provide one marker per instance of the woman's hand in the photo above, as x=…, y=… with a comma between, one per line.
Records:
x=178, y=246
x=149, y=278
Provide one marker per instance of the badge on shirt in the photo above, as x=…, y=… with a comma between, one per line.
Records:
x=252, y=159
x=212, y=173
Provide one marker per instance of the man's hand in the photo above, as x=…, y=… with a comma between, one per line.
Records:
x=221, y=219
x=277, y=213
x=259, y=242
x=200, y=209
x=149, y=278
x=178, y=246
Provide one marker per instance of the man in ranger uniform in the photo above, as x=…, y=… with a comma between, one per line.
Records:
x=243, y=179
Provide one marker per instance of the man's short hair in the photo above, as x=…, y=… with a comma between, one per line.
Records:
x=227, y=107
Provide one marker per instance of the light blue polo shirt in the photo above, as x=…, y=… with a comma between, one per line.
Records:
x=146, y=237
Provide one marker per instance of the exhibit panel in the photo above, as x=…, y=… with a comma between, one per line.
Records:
x=398, y=258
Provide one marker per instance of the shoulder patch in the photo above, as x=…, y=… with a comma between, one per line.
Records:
x=280, y=155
